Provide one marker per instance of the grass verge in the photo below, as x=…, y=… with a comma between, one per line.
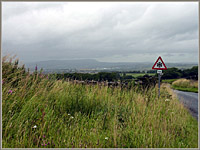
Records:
x=185, y=85
x=195, y=90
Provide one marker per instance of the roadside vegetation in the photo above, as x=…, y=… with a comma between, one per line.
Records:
x=43, y=112
x=185, y=85
x=170, y=81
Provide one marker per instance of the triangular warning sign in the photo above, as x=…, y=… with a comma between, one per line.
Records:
x=159, y=64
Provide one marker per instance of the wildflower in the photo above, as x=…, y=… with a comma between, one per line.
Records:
x=68, y=114
x=42, y=144
x=48, y=143
x=72, y=117
x=34, y=126
x=167, y=100
x=106, y=138
x=43, y=136
x=45, y=144
x=10, y=92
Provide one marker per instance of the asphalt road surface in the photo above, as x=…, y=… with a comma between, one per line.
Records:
x=190, y=100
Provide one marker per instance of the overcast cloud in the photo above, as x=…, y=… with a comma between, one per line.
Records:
x=105, y=31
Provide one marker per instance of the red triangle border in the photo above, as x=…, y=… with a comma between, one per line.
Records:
x=162, y=62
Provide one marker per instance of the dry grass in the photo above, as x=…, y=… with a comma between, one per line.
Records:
x=185, y=83
x=166, y=86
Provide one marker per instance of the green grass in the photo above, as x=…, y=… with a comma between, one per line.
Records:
x=170, y=81
x=71, y=115
x=192, y=89
x=140, y=74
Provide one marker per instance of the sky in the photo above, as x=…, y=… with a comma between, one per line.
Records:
x=105, y=31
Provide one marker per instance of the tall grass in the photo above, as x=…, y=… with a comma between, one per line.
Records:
x=38, y=112
x=185, y=85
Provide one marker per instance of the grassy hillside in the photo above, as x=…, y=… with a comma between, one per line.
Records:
x=38, y=112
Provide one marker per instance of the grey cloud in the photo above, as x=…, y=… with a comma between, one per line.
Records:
x=49, y=31
x=168, y=55
x=181, y=54
x=13, y=9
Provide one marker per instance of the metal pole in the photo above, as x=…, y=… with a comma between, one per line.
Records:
x=158, y=85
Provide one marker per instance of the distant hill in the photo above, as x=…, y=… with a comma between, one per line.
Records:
x=64, y=64
x=91, y=64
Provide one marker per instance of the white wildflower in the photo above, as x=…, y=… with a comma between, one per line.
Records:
x=106, y=138
x=72, y=117
x=34, y=126
x=68, y=114
x=167, y=100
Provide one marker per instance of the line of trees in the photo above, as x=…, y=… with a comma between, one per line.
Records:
x=170, y=73
x=175, y=73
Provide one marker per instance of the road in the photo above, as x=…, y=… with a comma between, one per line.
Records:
x=190, y=100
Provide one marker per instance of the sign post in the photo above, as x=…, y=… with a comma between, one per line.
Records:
x=159, y=77
x=159, y=66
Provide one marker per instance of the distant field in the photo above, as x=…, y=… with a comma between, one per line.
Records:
x=140, y=74
x=170, y=81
